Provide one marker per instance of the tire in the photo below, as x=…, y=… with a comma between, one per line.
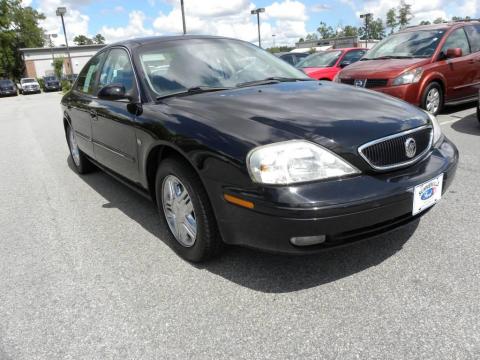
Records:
x=432, y=98
x=80, y=161
x=198, y=211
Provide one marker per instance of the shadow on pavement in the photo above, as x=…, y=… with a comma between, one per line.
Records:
x=448, y=110
x=467, y=125
x=253, y=269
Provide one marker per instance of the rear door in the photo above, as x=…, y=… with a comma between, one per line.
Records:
x=460, y=72
x=80, y=104
x=113, y=126
x=473, y=33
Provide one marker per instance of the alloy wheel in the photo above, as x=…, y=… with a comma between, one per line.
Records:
x=178, y=210
x=433, y=100
x=72, y=141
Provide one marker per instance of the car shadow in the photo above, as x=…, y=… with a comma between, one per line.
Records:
x=467, y=125
x=448, y=110
x=259, y=271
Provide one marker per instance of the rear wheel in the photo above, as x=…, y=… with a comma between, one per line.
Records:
x=185, y=211
x=432, y=99
x=478, y=110
x=80, y=161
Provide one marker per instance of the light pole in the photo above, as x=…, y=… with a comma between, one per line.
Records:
x=367, y=17
x=50, y=36
x=273, y=37
x=183, y=17
x=258, y=11
x=60, y=12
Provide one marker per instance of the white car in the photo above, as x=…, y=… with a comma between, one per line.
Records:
x=29, y=86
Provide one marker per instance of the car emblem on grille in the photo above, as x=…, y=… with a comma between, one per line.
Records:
x=360, y=82
x=410, y=147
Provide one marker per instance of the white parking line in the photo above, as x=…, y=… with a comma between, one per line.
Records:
x=448, y=121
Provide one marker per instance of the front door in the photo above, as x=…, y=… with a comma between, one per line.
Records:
x=113, y=125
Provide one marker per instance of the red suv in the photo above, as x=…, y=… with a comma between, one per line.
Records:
x=428, y=66
x=325, y=65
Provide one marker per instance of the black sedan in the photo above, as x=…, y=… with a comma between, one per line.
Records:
x=236, y=146
x=8, y=88
x=51, y=83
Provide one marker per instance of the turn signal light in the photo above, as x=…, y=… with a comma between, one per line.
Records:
x=237, y=201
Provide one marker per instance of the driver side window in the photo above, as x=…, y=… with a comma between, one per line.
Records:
x=117, y=70
x=457, y=39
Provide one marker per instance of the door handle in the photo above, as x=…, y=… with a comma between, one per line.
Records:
x=93, y=114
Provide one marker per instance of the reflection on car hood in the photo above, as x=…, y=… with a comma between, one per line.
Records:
x=338, y=116
x=379, y=69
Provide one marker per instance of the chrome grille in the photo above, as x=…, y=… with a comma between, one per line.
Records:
x=369, y=83
x=390, y=152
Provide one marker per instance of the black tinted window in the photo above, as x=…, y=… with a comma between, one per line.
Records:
x=117, y=70
x=457, y=39
x=473, y=32
x=88, y=75
x=354, y=55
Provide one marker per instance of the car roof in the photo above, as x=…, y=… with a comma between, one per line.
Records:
x=134, y=43
x=441, y=26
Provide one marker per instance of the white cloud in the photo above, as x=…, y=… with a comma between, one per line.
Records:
x=285, y=19
x=134, y=28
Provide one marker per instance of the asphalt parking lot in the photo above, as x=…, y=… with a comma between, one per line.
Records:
x=84, y=276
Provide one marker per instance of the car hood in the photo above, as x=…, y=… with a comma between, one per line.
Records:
x=30, y=84
x=388, y=68
x=336, y=116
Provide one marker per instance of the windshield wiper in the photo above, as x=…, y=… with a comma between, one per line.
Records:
x=194, y=90
x=271, y=80
x=392, y=57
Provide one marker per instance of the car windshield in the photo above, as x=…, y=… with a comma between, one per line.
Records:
x=322, y=60
x=411, y=44
x=27, y=80
x=5, y=82
x=50, y=78
x=175, y=66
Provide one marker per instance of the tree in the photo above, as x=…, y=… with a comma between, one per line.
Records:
x=18, y=29
x=438, y=20
x=404, y=14
x=325, y=31
x=312, y=36
x=349, y=30
x=82, y=40
x=58, y=66
x=376, y=30
x=99, y=39
x=392, y=20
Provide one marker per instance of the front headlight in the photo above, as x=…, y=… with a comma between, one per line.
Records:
x=437, y=130
x=410, y=77
x=295, y=161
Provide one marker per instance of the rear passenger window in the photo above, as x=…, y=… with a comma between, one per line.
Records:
x=473, y=32
x=86, y=79
x=457, y=39
x=354, y=55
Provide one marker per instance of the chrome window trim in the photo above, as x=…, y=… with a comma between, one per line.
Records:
x=405, y=163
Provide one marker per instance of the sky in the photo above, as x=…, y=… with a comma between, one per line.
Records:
x=283, y=22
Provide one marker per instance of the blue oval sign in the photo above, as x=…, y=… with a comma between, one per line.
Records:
x=427, y=194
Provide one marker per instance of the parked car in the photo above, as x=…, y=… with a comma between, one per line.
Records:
x=327, y=64
x=235, y=146
x=7, y=88
x=428, y=66
x=51, y=83
x=293, y=58
x=29, y=86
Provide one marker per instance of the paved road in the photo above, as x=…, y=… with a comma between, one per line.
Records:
x=83, y=275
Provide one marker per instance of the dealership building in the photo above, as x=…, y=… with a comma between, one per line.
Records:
x=39, y=61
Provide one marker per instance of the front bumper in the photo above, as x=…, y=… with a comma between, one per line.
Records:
x=409, y=92
x=344, y=210
x=53, y=87
x=31, y=91
x=8, y=92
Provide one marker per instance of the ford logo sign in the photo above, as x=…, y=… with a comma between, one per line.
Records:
x=427, y=194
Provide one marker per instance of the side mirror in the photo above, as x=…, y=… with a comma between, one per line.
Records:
x=113, y=92
x=345, y=64
x=454, y=53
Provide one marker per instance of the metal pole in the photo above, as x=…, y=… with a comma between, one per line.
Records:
x=51, y=48
x=183, y=17
x=366, y=30
x=66, y=43
x=258, y=23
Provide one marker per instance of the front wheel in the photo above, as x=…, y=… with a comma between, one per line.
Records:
x=185, y=211
x=80, y=161
x=432, y=99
